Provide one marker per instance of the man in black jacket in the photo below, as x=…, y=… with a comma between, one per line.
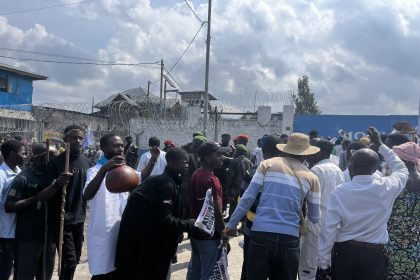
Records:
x=151, y=225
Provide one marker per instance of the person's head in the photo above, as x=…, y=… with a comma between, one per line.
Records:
x=13, y=152
x=313, y=134
x=196, y=143
x=74, y=135
x=409, y=153
x=396, y=139
x=17, y=137
x=177, y=159
x=241, y=150
x=169, y=144
x=112, y=145
x=39, y=155
x=353, y=147
x=154, y=142
x=363, y=162
x=235, y=141
x=259, y=142
x=297, y=147
x=346, y=143
x=210, y=155
x=269, y=148
x=129, y=139
x=284, y=138
x=325, y=150
x=243, y=139
x=225, y=140
x=197, y=133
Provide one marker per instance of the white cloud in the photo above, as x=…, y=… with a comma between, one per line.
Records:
x=360, y=56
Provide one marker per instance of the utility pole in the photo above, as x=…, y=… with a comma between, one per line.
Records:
x=148, y=89
x=161, y=83
x=206, y=83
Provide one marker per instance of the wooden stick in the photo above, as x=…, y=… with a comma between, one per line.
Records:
x=44, y=249
x=63, y=204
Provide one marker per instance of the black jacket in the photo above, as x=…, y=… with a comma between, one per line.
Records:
x=150, y=228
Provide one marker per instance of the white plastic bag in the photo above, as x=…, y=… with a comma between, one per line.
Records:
x=220, y=270
x=206, y=218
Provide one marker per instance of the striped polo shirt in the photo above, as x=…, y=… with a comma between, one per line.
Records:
x=281, y=197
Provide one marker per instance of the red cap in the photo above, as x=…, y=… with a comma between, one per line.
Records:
x=243, y=136
x=169, y=143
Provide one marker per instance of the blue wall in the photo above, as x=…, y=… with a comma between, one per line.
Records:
x=20, y=91
x=329, y=125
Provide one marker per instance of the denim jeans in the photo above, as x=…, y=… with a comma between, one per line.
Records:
x=7, y=255
x=204, y=255
x=272, y=254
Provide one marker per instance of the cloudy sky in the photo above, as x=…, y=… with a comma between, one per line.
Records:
x=361, y=57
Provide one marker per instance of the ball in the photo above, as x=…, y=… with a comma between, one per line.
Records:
x=121, y=179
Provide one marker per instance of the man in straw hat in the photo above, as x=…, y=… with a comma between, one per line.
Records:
x=284, y=182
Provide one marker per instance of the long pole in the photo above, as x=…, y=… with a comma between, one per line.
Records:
x=44, y=248
x=161, y=83
x=62, y=212
x=148, y=89
x=206, y=83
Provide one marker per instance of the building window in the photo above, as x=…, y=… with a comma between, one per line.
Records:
x=3, y=84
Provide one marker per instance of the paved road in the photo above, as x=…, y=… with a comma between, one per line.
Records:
x=179, y=270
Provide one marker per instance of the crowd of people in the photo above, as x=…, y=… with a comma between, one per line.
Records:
x=308, y=206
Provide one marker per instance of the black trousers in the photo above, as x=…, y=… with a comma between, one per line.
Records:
x=72, y=249
x=350, y=262
x=272, y=255
x=109, y=276
x=29, y=261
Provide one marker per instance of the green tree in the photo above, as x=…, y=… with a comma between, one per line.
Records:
x=304, y=100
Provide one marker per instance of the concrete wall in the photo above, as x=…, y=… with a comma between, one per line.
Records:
x=181, y=131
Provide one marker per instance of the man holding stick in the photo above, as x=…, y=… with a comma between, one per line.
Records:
x=54, y=181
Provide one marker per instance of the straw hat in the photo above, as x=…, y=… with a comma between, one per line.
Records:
x=298, y=144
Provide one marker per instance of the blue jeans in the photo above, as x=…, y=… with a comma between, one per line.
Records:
x=273, y=255
x=7, y=255
x=204, y=255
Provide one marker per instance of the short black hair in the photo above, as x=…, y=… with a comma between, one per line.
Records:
x=72, y=127
x=207, y=148
x=104, y=139
x=226, y=135
x=10, y=146
x=175, y=154
x=284, y=136
x=154, y=141
x=39, y=148
x=313, y=133
x=397, y=139
x=129, y=137
x=325, y=146
x=355, y=146
x=269, y=144
x=18, y=137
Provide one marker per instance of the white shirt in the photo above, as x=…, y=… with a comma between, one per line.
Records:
x=378, y=174
x=359, y=210
x=106, y=210
x=159, y=166
x=258, y=154
x=329, y=176
x=7, y=220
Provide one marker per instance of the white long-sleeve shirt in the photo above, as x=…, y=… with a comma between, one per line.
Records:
x=359, y=210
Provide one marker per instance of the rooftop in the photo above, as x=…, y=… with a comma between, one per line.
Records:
x=22, y=72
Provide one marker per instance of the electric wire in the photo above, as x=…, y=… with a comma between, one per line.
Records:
x=192, y=10
x=44, y=8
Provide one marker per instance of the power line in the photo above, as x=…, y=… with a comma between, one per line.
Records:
x=64, y=56
x=149, y=64
x=196, y=16
x=45, y=7
x=179, y=59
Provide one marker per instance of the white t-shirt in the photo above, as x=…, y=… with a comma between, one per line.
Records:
x=106, y=210
x=159, y=166
x=7, y=220
x=258, y=154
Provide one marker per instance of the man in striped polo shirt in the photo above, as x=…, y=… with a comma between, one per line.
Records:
x=284, y=182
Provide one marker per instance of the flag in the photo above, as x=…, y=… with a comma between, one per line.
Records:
x=89, y=138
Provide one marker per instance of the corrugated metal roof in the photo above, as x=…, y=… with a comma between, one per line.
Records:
x=21, y=72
